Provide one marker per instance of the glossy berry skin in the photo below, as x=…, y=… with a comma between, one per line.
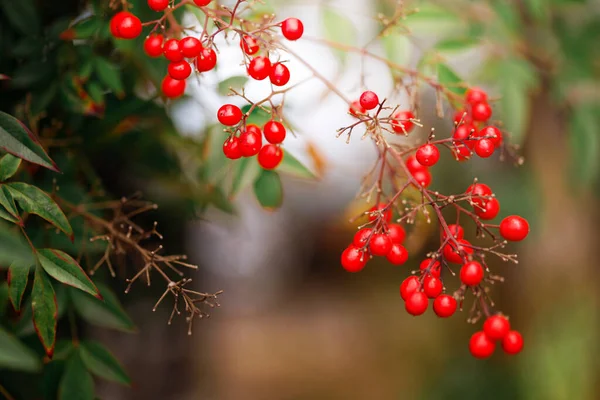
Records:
x=207, y=60
x=484, y=148
x=416, y=304
x=414, y=165
x=232, y=149
x=353, y=260
x=172, y=51
x=229, y=115
x=496, y=327
x=202, y=3
x=292, y=28
x=361, y=237
x=481, y=112
x=455, y=230
x=397, y=255
x=435, y=269
x=423, y=177
x=274, y=132
x=490, y=210
x=251, y=141
x=512, y=343
x=280, y=74
x=463, y=135
x=481, y=346
x=444, y=306
x=452, y=253
x=462, y=117
x=380, y=244
x=428, y=155
x=475, y=95
x=369, y=100
x=190, y=47
x=492, y=133
x=387, y=215
x=249, y=45
x=115, y=22
x=172, y=88
x=129, y=26
x=401, y=122
x=471, y=273
x=396, y=233
x=158, y=5
x=356, y=109
x=270, y=156
x=432, y=287
x=153, y=46
x=514, y=228
x=480, y=193
x=259, y=68
x=179, y=70
x=409, y=286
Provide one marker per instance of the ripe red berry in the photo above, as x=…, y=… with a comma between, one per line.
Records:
x=158, y=5
x=292, y=28
x=361, y=237
x=481, y=111
x=380, y=244
x=444, y=306
x=414, y=165
x=462, y=117
x=490, y=210
x=270, y=156
x=416, y=304
x=129, y=26
x=172, y=50
x=401, y=121
x=480, y=194
x=207, y=60
x=398, y=254
x=202, y=3
x=190, y=47
x=274, y=132
x=461, y=152
x=396, y=233
x=229, y=115
x=514, y=228
x=463, y=135
x=172, y=88
x=481, y=346
x=434, y=270
x=512, y=342
x=251, y=141
x=259, y=68
x=475, y=95
x=179, y=70
x=452, y=253
x=455, y=230
x=153, y=45
x=115, y=22
x=471, y=273
x=353, y=260
x=356, y=108
x=387, y=214
x=280, y=74
x=432, y=286
x=369, y=100
x=492, y=133
x=484, y=148
x=428, y=155
x=409, y=286
x=423, y=177
x=232, y=149
x=249, y=45
x=496, y=327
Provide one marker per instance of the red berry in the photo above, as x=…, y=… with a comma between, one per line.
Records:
x=207, y=60
x=512, y=343
x=387, y=214
x=356, y=108
x=172, y=50
x=158, y=5
x=401, y=121
x=153, y=45
x=249, y=45
x=480, y=193
x=369, y=100
x=496, y=327
x=475, y=95
x=129, y=26
x=251, y=141
x=292, y=28
x=190, y=47
x=172, y=88
x=432, y=287
x=396, y=233
x=414, y=165
x=259, y=68
x=452, y=253
x=380, y=244
x=481, y=346
x=416, y=304
x=423, y=177
x=274, y=132
x=463, y=135
x=514, y=228
x=471, y=273
x=484, y=148
x=202, y=3
x=428, y=155
x=232, y=149
x=409, y=286
x=353, y=260
x=280, y=74
x=462, y=117
x=434, y=270
x=270, y=156
x=492, y=133
x=115, y=22
x=444, y=306
x=481, y=112
x=490, y=210
x=179, y=70
x=455, y=230
x=229, y=115
x=398, y=254
x=361, y=237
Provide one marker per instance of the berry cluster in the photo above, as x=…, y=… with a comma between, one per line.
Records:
x=496, y=328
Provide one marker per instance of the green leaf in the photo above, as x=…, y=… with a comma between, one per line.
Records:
x=258, y=116
x=4, y=298
x=53, y=373
x=109, y=75
x=107, y=313
x=269, y=190
x=5, y=215
x=35, y=201
x=13, y=248
x=22, y=14
x=456, y=45
x=245, y=172
x=8, y=203
x=45, y=309
x=449, y=79
x=18, y=276
x=15, y=355
x=9, y=165
x=99, y=361
x=87, y=28
x=338, y=29
x=291, y=166
x=19, y=141
x=77, y=383
x=234, y=82
x=431, y=19
x=397, y=48
x=65, y=269
x=216, y=197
